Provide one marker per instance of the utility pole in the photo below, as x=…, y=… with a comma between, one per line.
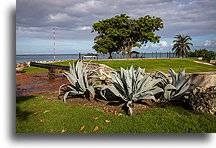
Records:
x=54, y=36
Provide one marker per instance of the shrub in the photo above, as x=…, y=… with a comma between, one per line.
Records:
x=206, y=54
x=79, y=83
x=131, y=86
x=178, y=89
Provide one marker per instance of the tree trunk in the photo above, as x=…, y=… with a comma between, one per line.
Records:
x=129, y=50
x=110, y=53
x=123, y=52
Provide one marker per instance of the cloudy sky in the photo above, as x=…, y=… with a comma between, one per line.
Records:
x=73, y=19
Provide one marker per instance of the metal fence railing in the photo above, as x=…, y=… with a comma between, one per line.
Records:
x=155, y=55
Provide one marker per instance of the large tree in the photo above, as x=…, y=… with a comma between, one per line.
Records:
x=106, y=45
x=181, y=46
x=125, y=33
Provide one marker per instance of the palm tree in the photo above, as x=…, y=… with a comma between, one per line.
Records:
x=181, y=46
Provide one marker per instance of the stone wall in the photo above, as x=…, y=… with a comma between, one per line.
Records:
x=202, y=79
x=202, y=96
x=203, y=100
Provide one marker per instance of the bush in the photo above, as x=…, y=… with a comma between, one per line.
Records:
x=206, y=54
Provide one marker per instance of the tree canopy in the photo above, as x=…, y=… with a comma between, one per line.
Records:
x=120, y=33
x=206, y=54
x=181, y=46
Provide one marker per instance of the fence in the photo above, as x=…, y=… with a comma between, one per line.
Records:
x=155, y=55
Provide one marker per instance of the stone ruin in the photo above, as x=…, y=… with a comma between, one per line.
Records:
x=203, y=99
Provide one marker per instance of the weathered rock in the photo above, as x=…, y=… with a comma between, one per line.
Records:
x=97, y=67
x=202, y=79
x=203, y=99
x=212, y=61
x=20, y=66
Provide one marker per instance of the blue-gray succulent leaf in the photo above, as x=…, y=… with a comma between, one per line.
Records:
x=131, y=107
x=71, y=78
x=91, y=90
x=157, y=90
x=143, y=95
x=67, y=85
x=173, y=75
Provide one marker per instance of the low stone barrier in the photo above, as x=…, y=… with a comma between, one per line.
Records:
x=202, y=96
x=202, y=79
x=203, y=100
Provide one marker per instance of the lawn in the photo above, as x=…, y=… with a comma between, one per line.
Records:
x=151, y=65
x=35, y=114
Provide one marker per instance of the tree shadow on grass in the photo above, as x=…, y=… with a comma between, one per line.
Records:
x=22, y=114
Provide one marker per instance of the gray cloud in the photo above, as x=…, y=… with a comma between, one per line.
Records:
x=35, y=19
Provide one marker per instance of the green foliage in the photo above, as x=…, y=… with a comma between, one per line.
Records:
x=206, y=54
x=106, y=45
x=178, y=88
x=80, y=85
x=131, y=86
x=181, y=46
x=121, y=33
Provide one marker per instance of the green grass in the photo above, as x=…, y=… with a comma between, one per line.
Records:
x=37, y=115
x=151, y=65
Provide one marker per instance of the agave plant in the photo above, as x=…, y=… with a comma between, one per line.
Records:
x=131, y=86
x=178, y=88
x=79, y=83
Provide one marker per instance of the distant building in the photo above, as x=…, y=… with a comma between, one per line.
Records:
x=134, y=53
x=90, y=56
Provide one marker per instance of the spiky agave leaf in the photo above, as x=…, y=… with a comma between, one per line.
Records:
x=169, y=88
x=131, y=108
x=72, y=93
x=157, y=90
x=114, y=90
x=131, y=86
x=165, y=80
x=68, y=86
x=147, y=90
x=77, y=76
x=115, y=80
x=91, y=90
x=179, y=87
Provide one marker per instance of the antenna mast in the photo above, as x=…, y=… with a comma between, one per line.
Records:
x=54, y=36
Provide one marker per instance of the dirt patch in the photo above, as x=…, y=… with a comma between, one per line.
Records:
x=34, y=84
x=117, y=106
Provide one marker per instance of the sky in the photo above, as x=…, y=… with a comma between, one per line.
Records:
x=35, y=20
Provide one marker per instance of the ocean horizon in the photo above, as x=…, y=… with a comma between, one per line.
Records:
x=20, y=58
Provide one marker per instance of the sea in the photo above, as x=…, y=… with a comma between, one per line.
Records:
x=50, y=57
x=45, y=57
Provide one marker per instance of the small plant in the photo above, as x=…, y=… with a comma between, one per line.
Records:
x=131, y=86
x=80, y=85
x=178, y=88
